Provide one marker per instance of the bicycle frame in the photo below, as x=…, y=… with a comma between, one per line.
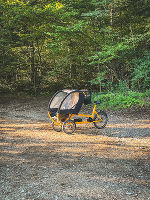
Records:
x=59, y=123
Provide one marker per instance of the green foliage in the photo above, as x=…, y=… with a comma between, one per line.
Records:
x=109, y=52
x=118, y=100
x=46, y=45
x=141, y=72
x=122, y=87
x=22, y=87
x=98, y=79
x=4, y=88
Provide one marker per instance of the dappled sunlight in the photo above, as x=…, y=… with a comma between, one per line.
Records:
x=144, y=121
x=40, y=138
x=89, y=163
x=130, y=125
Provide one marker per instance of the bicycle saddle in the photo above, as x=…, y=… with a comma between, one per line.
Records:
x=97, y=102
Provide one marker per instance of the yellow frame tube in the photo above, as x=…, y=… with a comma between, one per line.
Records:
x=82, y=115
x=58, y=123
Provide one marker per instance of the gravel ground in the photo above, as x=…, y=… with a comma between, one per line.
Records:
x=37, y=163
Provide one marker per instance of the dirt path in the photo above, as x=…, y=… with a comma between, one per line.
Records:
x=37, y=163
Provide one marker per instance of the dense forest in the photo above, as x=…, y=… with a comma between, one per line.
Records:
x=46, y=45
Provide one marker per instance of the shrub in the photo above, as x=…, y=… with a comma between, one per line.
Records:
x=119, y=100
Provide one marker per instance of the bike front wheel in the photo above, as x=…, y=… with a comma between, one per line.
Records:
x=69, y=126
x=100, y=119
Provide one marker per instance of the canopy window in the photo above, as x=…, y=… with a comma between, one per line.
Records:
x=70, y=101
x=58, y=99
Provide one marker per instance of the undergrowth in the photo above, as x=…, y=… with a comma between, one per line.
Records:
x=122, y=100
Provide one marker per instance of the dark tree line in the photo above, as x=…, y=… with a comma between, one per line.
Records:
x=48, y=45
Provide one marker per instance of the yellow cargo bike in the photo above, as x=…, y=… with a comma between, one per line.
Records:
x=64, y=108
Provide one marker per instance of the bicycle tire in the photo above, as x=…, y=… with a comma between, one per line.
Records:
x=69, y=126
x=56, y=127
x=102, y=123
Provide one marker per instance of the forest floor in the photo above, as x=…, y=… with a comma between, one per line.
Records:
x=37, y=163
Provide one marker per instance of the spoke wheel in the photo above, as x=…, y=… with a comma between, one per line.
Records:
x=69, y=126
x=103, y=120
x=56, y=127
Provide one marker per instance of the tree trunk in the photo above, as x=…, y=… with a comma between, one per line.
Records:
x=111, y=17
x=33, y=68
x=100, y=84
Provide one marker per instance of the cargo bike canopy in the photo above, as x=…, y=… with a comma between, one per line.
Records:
x=69, y=101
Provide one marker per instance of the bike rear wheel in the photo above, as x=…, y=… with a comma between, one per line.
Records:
x=100, y=120
x=56, y=127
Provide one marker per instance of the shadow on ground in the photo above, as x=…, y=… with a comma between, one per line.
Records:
x=41, y=164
